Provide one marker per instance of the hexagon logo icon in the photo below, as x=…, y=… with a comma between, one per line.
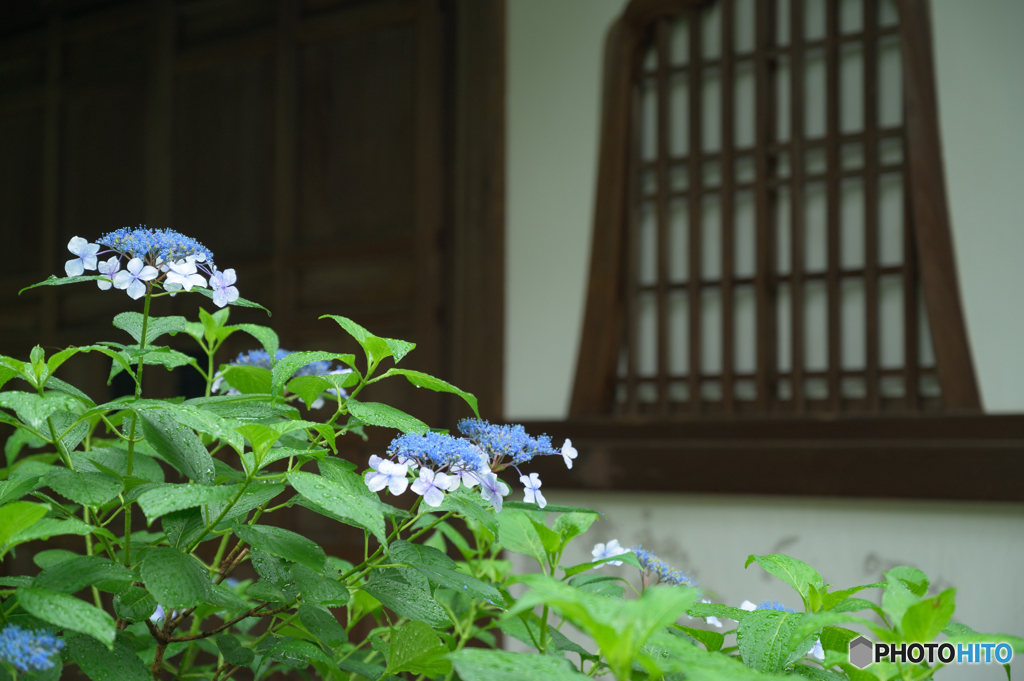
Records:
x=861, y=652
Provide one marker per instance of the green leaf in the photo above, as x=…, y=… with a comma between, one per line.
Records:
x=573, y=524
x=897, y=599
x=476, y=664
x=298, y=654
x=18, y=516
x=796, y=573
x=441, y=569
x=308, y=388
x=468, y=503
x=167, y=498
x=248, y=380
x=15, y=489
x=99, y=663
x=238, y=302
x=377, y=414
x=517, y=533
x=323, y=625
x=285, y=367
x=68, y=612
x=54, y=280
x=550, y=508
x=264, y=334
x=912, y=578
x=144, y=467
x=54, y=383
x=233, y=651
x=155, y=356
x=527, y=629
x=417, y=649
x=177, y=444
x=343, y=498
x=712, y=640
x=629, y=558
x=764, y=637
x=408, y=595
x=265, y=591
x=619, y=627
x=17, y=441
x=88, y=489
x=51, y=527
x=34, y=409
x=134, y=604
x=422, y=380
x=176, y=579
x=50, y=557
x=924, y=621
x=836, y=597
x=64, y=424
x=157, y=326
x=76, y=574
x=283, y=543
x=717, y=610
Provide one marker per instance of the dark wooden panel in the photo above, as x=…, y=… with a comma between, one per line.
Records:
x=21, y=199
x=356, y=152
x=223, y=154
x=967, y=458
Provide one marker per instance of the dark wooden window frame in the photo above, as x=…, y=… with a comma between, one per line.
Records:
x=958, y=454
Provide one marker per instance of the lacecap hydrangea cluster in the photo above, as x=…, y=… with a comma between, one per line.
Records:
x=28, y=650
x=439, y=463
x=261, y=359
x=141, y=258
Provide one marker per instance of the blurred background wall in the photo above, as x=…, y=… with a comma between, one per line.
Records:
x=554, y=78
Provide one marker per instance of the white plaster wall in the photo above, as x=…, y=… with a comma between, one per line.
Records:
x=554, y=62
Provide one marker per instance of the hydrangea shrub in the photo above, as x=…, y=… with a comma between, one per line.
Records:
x=429, y=598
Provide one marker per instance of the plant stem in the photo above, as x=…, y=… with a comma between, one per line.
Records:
x=135, y=419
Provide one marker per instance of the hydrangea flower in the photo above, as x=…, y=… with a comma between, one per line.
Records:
x=164, y=257
x=224, y=291
x=492, y=489
x=608, y=550
x=531, y=485
x=183, y=274
x=28, y=650
x=501, y=442
x=132, y=277
x=817, y=652
x=438, y=450
x=568, y=452
x=158, y=245
x=431, y=486
x=86, y=259
x=666, y=575
x=391, y=475
x=773, y=605
x=108, y=269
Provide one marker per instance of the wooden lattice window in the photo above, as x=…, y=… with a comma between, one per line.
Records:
x=771, y=231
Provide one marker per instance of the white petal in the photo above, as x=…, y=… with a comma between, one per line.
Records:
x=747, y=605
x=103, y=284
x=376, y=482
x=89, y=261
x=229, y=276
x=398, y=484
x=434, y=497
x=148, y=273
x=122, y=279
x=74, y=268
x=134, y=265
x=136, y=289
x=219, y=299
x=541, y=501
x=77, y=245
x=375, y=461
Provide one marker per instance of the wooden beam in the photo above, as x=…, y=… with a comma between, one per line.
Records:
x=927, y=190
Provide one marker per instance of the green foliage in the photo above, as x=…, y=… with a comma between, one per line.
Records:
x=209, y=473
